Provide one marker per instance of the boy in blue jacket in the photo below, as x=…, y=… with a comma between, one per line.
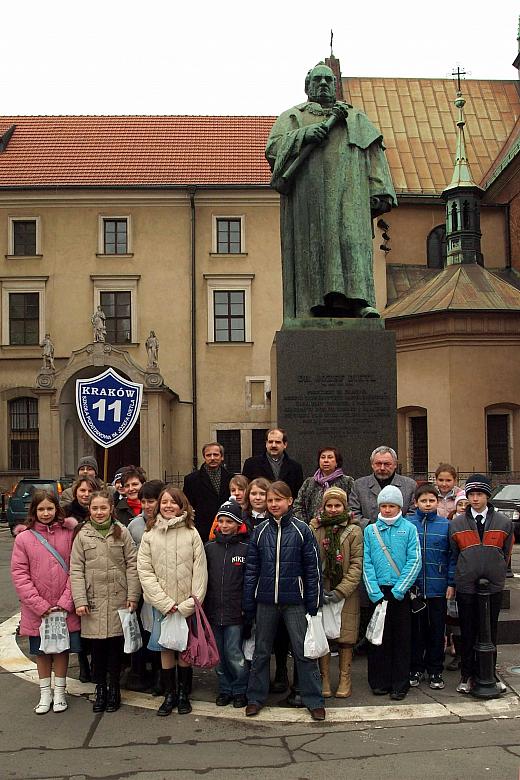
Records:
x=391, y=563
x=435, y=584
x=282, y=583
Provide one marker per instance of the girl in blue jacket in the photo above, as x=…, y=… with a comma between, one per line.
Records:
x=391, y=564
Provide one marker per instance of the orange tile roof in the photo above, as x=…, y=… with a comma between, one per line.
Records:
x=418, y=121
x=76, y=151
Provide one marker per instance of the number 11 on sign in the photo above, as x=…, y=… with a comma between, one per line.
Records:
x=101, y=405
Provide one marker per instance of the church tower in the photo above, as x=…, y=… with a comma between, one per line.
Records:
x=462, y=197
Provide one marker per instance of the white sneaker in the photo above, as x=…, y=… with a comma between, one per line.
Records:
x=501, y=686
x=465, y=685
x=60, y=701
x=45, y=702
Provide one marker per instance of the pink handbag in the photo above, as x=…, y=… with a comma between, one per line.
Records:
x=201, y=650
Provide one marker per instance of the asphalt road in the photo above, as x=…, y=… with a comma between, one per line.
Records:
x=134, y=743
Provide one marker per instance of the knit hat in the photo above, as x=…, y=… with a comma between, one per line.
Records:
x=461, y=496
x=390, y=495
x=335, y=492
x=478, y=482
x=231, y=508
x=89, y=461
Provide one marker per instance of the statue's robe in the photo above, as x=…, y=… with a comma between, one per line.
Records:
x=326, y=226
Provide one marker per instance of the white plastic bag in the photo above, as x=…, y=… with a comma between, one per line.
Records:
x=54, y=634
x=147, y=617
x=332, y=618
x=248, y=646
x=316, y=644
x=376, y=627
x=131, y=631
x=174, y=632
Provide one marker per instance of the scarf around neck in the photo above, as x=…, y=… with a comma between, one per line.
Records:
x=331, y=543
x=324, y=481
x=103, y=528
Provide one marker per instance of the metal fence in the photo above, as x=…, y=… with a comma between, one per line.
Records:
x=495, y=477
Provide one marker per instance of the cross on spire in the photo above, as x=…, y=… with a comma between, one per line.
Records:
x=458, y=73
x=331, y=39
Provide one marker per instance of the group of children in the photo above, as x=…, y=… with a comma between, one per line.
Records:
x=262, y=567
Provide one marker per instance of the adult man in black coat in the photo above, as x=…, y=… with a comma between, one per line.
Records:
x=275, y=463
x=208, y=488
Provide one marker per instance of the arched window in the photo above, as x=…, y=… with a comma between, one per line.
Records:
x=436, y=247
x=465, y=215
x=454, y=217
x=23, y=424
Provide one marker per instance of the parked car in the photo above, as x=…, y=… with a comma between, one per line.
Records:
x=21, y=496
x=506, y=498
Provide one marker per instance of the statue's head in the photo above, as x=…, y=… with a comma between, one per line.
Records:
x=320, y=85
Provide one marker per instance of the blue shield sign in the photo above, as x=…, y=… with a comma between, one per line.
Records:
x=108, y=406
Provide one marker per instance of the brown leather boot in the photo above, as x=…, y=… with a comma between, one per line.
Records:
x=325, y=676
x=345, y=679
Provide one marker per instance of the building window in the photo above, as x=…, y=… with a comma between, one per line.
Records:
x=117, y=306
x=418, y=444
x=498, y=429
x=23, y=417
x=24, y=318
x=436, y=247
x=117, y=296
x=257, y=391
x=230, y=440
x=228, y=236
x=24, y=237
x=229, y=314
x=229, y=308
x=115, y=236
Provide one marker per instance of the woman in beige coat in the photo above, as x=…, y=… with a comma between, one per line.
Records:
x=341, y=550
x=103, y=578
x=172, y=568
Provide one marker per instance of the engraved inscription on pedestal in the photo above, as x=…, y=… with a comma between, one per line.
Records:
x=337, y=388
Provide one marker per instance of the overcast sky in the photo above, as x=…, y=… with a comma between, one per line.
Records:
x=232, y=56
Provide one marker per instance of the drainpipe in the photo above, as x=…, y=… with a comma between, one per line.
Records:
x=194, y=439
x=508, y=236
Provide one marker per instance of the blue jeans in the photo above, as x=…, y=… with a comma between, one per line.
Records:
x=267, y=619
x=233, y=669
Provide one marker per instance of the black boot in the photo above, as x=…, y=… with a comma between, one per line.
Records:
x=113, y=697
x=190, y=679
x=168, y=678
x=184, y=706
x=84, y=668
x=100, y=704
x=157, y=685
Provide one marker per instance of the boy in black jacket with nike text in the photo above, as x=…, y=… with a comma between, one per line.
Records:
x=226, y=558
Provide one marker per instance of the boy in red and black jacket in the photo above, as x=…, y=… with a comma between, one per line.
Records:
x=481, y=540
x=226, y=558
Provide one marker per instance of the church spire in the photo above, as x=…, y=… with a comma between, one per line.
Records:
x=462, y=198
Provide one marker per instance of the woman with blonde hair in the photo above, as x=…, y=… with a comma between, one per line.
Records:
x=172, y=568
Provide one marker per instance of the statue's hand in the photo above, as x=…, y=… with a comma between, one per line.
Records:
x=316, y=134
x=340, y=110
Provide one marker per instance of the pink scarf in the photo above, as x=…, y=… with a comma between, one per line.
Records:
x=324, y=481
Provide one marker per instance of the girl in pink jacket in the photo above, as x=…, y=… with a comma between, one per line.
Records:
x=42, y=583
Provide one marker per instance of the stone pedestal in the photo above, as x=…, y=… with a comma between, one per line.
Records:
x=336, y=384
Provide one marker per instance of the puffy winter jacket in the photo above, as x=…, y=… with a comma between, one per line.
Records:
x=40, y=581
x=402, y=543
x=172, y=565
x=226, y=558
x=487, y=558
x=103, y=577
x=283, y=566
x=438, y=560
